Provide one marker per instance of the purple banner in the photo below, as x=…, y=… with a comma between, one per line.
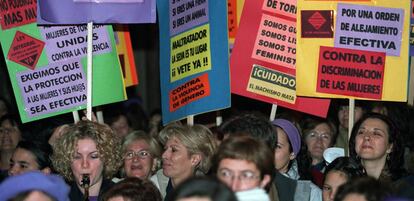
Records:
x=68, y=42
x=370, y=28
x=70, y=12
x=53, y=88
x=187, y=14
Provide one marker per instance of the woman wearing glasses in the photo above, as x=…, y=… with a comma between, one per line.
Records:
x=318, y=135
x=244, y=164
x=141, y=153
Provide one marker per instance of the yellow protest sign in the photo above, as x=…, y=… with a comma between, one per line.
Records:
x=350, y=29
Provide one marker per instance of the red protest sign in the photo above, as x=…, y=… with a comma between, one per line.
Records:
x=17, y=13
x=266, y=43
x=188, y=92
x=25, y=50
x=351, y=72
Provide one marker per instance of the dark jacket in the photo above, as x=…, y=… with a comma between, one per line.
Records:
x=285, y=187
x=75, y=193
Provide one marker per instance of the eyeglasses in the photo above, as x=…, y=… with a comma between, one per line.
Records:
x=244, y=176
x=313, y=135
x=140, y=154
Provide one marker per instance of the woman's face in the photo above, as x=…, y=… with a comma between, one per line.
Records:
x=282, y=154
x=371, y=141
x=177, y=161
x=22, y=161
x=333, y=180
x=121, y=127
x=343, y=115
x=240, y=175
x=318, y=139
x=9, y=136
x=86, y=160
x=138, y=161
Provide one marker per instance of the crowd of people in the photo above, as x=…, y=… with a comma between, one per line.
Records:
x=133, y=157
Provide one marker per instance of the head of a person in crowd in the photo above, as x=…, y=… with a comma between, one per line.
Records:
x=376, y=142
x=133, y=189
x=244, y=163
x=4, y=107
x=187, y=150
x=120, y=124
x=57, y=132
x=288, y=144
x=379, y=107
x=318, y=135
x=10, y=133
x=30, y=156
x=338, y=172
x=254, y=124
x=87, y=148
x=202, y=189
x=363, y=189
x=343, y=112
x=141, y=154
x=34, y=186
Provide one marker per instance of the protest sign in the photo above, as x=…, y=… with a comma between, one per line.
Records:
x=126, y=55
x=377, y=28
x=351, y=72
x=46, y=66
x=194, y=57
x=17, y=13
x=361, y=30
x=263, y=61
x=97, y=11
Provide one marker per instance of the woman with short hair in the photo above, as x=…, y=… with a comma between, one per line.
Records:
x=141, y=155
x=187, y=152
x=30, y=156
x=245, y=164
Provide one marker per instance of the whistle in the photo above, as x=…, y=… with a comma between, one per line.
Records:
x=85, y=181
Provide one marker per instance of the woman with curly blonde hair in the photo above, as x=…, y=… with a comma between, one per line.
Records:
x=88, y=152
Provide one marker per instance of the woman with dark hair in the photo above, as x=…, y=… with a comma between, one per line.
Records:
x=363, y=189
x=133, y=189
x=338, y=172
x=203, y=188
x=29, y=156
x=318, y=135
x=10, y=135
x=288, y=147
x=375, y=142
